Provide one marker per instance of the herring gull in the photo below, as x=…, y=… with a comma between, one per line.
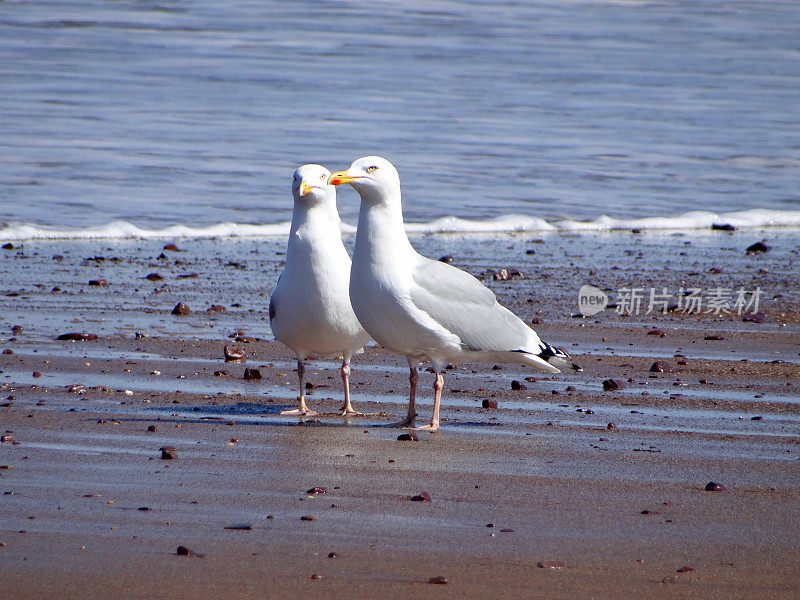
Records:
x=310, y=311
x=423, y=308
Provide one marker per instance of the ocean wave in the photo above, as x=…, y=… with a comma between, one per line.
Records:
x=696, y=220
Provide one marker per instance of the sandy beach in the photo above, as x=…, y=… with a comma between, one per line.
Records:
x=568, y=489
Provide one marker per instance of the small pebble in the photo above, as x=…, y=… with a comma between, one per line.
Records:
x=308, y=518
x=234, y=353
x=661, y=366
x=317, y=490
x=713, y=486
x=77, y=337
x=438, y=580
x=611, y=384
x=757, y=248
x=754, y=317
x=408, y=437
x=168, y=452
x=181, y=309
x=518, y=385
x=489, y=403
x=252, y=374
x=422, y=497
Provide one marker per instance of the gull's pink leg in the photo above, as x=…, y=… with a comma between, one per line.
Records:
x=302, y=410
x=413, y=377
x=347, y=409
x=438, y=384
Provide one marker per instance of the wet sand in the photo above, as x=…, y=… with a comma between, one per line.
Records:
x=607, y=511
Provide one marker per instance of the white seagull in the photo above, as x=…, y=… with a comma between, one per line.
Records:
x=310, y=311
x=423, y=308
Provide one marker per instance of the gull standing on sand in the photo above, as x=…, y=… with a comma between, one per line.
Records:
x=423, y=308
x=310, y=311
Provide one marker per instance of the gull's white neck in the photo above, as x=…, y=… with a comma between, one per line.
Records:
x=381, y=240
x=319, y=218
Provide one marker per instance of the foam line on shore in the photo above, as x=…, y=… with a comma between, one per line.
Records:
x=690, y=221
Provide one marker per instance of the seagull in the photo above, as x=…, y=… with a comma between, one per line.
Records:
x=422, y=308
x=310, y=311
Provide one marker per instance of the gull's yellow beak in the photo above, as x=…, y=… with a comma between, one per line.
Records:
x=304, y=188
x=340, y=177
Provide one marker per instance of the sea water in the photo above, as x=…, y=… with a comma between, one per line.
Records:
x=168, y=118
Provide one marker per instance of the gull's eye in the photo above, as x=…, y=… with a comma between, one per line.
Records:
x=372, y=169
x=322, y=176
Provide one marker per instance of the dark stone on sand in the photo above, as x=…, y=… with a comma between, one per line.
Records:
x=143, y=508
x=216, y=308
x=661, y=366
x=317, y=490
x=151, y=428
x=713, y=486
x=308, y=518
x=221, y=374
x=16, y=329
x=243, y=339
x=181, y=309
x=685, y=569
x=518, y=385
x=438, y=580
x=234, y=353
x=611, y=426
x=506, y=274
x=36, y=374
x=421, y=497
x=754, y=317
x=240, y=527
x=658, y=332
x=551, y=564
x=184, y=551
x=98, y=282
x=333, y=555
x=714, y=338
x=537, y=321
x=715, y=271
x=77, y=337
x=408, y=437
x=723, y=227
x=636, y=231
x=757, y=248
x=6, y=439
x=447, y=258
x=611, y=384
x=168, y=452
x=252, y=374
x=316, y=576
x=171, y=247
x=8, y=246
x=489, y=403
x=8, y=351
x=154, y=277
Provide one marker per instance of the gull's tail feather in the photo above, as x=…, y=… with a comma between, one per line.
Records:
x=557, y=357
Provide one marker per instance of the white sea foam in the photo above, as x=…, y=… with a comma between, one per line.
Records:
x=696, y=220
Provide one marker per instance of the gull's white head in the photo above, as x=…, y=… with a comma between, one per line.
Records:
x=310, y=185
x=373, y=177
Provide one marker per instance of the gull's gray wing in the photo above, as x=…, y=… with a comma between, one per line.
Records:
x=464, y=306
